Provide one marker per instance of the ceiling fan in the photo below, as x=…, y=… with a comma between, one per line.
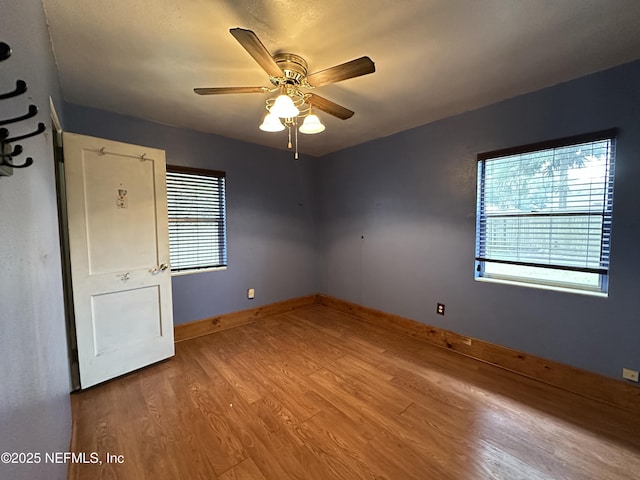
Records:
x=288, y=76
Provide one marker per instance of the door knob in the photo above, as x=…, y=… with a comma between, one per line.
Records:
x=160, y=268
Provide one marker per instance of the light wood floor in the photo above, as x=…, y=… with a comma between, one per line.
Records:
x=316, y=394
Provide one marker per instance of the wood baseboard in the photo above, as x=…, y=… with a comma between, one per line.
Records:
x=588, y=384
x=206, y=326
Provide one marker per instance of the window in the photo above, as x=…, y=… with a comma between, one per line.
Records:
x=544, y=214
x=196, y=207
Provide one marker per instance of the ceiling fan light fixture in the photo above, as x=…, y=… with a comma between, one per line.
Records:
x=271, y=123
x=283, y=107
x=311, y=125
x=288, y=73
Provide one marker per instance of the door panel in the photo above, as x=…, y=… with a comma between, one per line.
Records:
x=116, y=239
x=118, y=236
x=133, y=311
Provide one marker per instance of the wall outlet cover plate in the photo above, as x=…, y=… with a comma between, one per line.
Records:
x=629, y=374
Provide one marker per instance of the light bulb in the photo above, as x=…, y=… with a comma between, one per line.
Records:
x=283, y=107
x=311, y=125
x=271, y=123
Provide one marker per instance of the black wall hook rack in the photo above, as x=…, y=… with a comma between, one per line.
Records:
x=33, y=111
x=4, y=134
x=5, y=51
x=21, y=87
x=17, y=150
x=7, y=152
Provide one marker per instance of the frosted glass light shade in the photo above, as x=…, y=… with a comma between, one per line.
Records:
x=311, y=125
x=271, y=123
x=283, y=107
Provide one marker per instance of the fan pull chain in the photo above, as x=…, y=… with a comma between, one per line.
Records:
x=296, y=154
x=289, y=144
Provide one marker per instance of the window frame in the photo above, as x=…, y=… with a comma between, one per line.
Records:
x=219, y=240
x=605, y=231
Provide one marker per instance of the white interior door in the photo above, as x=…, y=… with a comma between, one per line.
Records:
x=119, y=249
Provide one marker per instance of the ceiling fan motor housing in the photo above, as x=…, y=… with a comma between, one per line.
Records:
x=294, y=68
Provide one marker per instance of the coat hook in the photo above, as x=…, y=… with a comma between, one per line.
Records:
x=41, y=128
x=6, y=157
x=21, y=87
x=17, y=150
x=28, y=162
x=33, y=111
x=5, y=51
x=101, y=152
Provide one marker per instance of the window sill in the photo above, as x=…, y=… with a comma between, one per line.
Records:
x=197, y=270
x=555, y=288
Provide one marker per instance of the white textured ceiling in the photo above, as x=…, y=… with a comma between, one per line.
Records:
x=434, y=58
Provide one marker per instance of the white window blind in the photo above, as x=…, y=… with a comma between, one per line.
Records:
x=197, y=223
x=544, y=212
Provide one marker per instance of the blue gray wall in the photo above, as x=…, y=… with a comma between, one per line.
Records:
x=34, y=369
x=397, y=223
x=271, y=231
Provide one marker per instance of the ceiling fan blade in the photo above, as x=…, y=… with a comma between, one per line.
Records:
x=223, y=90
x=328, y=106
x=354, y=68
x=252, y=44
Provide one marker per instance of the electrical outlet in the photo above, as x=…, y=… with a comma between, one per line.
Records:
x=629, y=374
x=251, y=293
x=440, y=308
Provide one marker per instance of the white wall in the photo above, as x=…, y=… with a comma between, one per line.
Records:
x=34, y=373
